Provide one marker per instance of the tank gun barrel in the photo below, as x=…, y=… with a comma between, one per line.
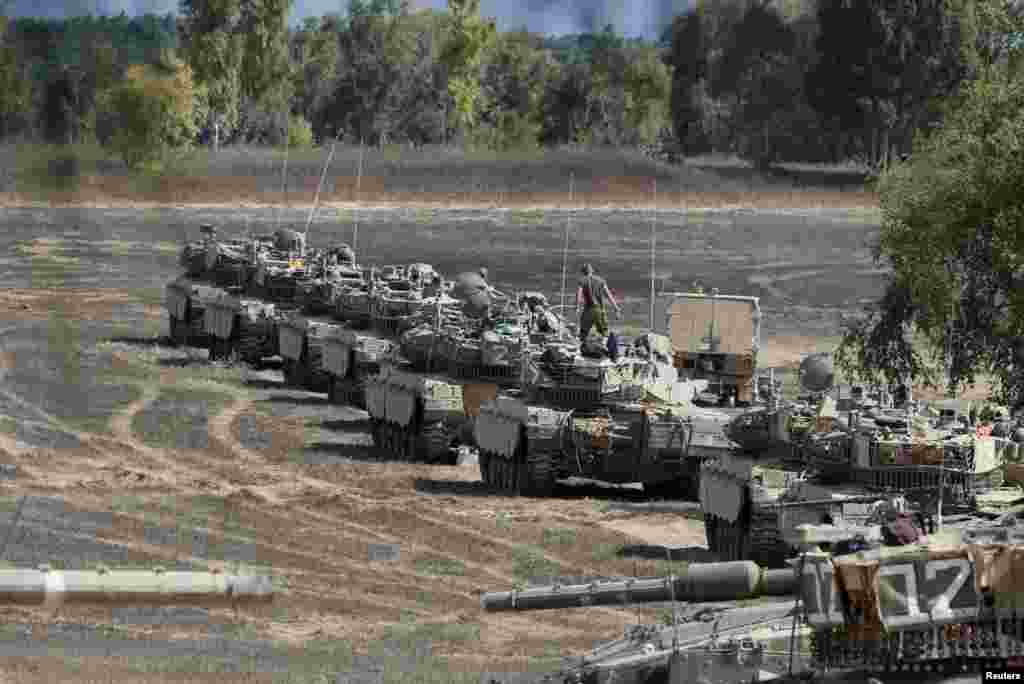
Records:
x=136, y=587
x=699, y=582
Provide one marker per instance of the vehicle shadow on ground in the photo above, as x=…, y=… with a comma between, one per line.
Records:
x=321, y=453
x=562, y=490
x=159, y=341
x=297, y=401
x=354, y=425
x=689, y=554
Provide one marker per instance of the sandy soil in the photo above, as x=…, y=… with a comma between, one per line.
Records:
x=209, y=193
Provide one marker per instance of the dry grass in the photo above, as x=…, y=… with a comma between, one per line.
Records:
x=427, y=177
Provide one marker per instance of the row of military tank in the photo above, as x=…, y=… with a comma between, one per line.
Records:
x=436, y=370
x=442, y=364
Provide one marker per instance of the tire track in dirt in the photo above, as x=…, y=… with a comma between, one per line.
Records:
x=220, y=429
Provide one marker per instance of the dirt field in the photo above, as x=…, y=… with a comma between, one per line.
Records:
x=423, y=178
x=132, y=452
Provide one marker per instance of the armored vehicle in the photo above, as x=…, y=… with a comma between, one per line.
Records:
x=716, y=338
x=613, y=420
x=234, y=293
x=803, y=464
x=947, y=603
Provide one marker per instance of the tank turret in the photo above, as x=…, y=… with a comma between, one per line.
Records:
x=817, y=373
x=948, y=603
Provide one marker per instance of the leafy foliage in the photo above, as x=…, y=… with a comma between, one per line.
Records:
x=951, y=231
x=468, y=38
x=154, y=112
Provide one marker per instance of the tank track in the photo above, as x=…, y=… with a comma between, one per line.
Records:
x=430, y=444
x=435, y=445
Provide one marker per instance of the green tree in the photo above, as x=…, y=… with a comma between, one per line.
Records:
x=266, y=65
x=317, y=47
x=386, y=87
x=952, y=233
x=512, y=87
x=753, y=71
x=688, y=54
x=648, y=86
x=881, y=65
x=15, y=92
x=469, y=38
x=154, y=106
x=215, y=53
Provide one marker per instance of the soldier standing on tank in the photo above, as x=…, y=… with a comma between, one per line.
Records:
x=593, y=296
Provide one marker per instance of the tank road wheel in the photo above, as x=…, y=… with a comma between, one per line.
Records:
x=506, y=476
x=537, y=475
x=174, y=332
x=216, y=348
x=391, y=440
x=435, y=445
x=250, y=348
x=710, y=523
x=377, y=434
x=407, y=444
x=484, y=461
x=494, y=468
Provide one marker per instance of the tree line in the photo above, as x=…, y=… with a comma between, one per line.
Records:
x=767, y=80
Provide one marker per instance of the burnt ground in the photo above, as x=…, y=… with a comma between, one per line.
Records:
x=133, y=453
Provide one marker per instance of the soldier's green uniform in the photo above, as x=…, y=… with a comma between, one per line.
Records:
x=594, y=296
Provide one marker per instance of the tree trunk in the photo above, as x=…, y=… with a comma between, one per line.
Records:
x=216, y=136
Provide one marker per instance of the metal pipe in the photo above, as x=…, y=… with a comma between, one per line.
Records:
x=50, y=587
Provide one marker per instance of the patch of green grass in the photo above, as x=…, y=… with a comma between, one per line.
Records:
x=602, y=506
x=503, y=520
x=197, y=664
x=172, y=424
x=606, y=552
x=167, y=430
x=241, y=632
x=319, y=656
x=111, y=632
x=558, y=537
x=9, y=504
x=8, y=425
x=126, y=370
x=527, y=217
x=198, y=390
x=127, y=503
x=529, y=562
x=408, y=634
x=440, y=566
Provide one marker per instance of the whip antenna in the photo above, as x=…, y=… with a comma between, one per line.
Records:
x=653, y=202
x=565, y=248
x=323, y=175
x=355, y=210
x=284, y=181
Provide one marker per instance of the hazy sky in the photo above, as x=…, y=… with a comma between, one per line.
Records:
x=630, y=17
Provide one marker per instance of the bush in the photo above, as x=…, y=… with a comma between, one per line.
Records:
x=154, y=112
x=300, y=132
